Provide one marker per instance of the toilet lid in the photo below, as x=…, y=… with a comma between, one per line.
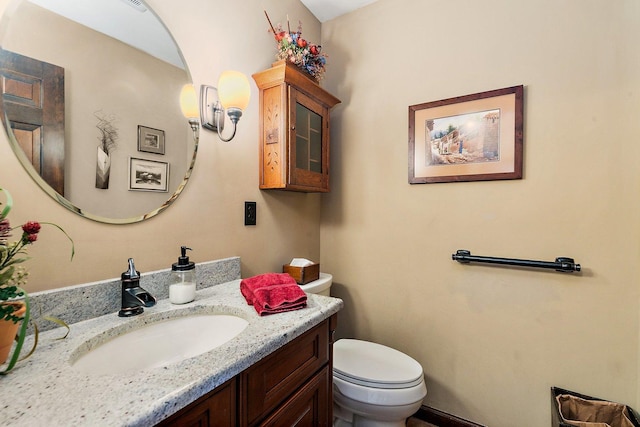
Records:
x=375, y=365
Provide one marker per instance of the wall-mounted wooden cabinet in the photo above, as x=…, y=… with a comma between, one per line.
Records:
x=294, y=130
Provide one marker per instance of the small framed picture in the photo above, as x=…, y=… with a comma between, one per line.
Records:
x=148, y=175
x=474, y=137
x=150, y=140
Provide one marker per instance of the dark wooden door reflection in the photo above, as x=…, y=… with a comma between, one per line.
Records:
x=33, y=95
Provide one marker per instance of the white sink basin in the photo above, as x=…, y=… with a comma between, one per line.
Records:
x=161, y=343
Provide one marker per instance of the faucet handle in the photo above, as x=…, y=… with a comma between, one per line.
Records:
x=131, y=273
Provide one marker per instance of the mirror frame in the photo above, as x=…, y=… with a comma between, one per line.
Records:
x=26, y=164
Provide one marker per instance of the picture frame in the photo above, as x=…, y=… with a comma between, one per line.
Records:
x=476, y=137
x=150, y=140
x=148, y=175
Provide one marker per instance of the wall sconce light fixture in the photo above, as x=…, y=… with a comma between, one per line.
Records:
x=232, y=96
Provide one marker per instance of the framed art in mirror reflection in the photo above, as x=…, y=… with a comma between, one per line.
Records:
x=150, y=140
x=148, y=175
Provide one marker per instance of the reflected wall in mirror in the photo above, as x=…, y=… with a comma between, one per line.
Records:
x=100, y=74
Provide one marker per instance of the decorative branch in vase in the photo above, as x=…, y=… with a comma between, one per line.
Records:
x=108, y=143
x=294, y=48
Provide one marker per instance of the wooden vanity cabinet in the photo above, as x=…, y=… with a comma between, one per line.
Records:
x=290, y=387
x=215, y=409
x=294, y=130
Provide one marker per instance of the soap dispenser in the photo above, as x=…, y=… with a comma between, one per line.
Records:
x=183, y=279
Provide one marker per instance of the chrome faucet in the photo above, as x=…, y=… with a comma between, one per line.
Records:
x=134, y=298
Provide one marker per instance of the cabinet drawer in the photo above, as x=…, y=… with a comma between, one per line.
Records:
x=308, y=407
x=269, y=382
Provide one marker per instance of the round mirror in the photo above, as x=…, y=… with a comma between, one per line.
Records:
x=90, y=104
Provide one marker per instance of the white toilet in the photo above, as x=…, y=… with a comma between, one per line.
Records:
x=373, y=385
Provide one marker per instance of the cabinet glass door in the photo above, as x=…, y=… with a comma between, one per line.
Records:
x=308, y=150
x=308, y=139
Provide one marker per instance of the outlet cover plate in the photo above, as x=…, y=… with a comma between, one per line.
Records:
x=250, y=215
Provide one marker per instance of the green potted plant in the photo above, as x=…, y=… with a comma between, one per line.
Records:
x=14, y=300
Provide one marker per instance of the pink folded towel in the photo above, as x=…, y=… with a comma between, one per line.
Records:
x=279, y=298
x=249, y=285
x=273, y=293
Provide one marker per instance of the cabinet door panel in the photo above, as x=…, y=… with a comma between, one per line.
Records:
x=309, y=407
x=270, y=382
x=216, y=409
x=308, y=146
x=273, y=134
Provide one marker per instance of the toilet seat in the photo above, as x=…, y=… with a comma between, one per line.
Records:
x=344, y=391
x=374, y=365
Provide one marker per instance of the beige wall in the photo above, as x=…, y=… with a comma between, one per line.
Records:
x=208, y=216
x=492, y=340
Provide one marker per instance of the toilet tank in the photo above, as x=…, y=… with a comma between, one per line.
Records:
x=322, y=286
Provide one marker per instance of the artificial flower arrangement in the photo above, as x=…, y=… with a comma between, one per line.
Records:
x=14, y=300
x=295, y=49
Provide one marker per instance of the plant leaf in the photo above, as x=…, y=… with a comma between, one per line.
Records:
x=36, y=334
x=59, y=322
x=73, y=248
x=8, y=205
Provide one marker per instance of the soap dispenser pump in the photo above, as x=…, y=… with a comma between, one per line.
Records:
x=183, y=283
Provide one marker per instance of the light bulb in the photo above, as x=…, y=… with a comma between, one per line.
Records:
x=233, y=90
x=189, y=102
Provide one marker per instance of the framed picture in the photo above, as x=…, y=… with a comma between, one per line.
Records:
x=469, y=138
x=148, y=175
x=150, y=140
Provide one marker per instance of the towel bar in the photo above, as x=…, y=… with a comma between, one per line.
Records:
x=562, y=264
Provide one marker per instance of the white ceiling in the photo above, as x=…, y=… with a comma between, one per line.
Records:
x=326, y=10
x=127, y=20
x=130, y=22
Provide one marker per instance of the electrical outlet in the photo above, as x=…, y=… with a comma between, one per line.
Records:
x=250, y=214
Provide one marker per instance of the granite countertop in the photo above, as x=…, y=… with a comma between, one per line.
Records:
x=47, y=390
